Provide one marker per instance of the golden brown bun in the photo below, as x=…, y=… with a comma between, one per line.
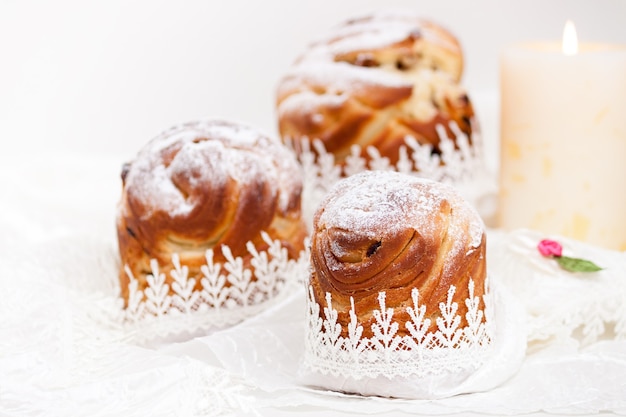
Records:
x=202, y=185
x=385, y=231
x=372, y=82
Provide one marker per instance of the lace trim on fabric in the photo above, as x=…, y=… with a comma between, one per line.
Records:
x=450, y=349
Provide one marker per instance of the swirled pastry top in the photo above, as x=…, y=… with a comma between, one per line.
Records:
x=386, y=231
x=373, y=81
x=208, y=182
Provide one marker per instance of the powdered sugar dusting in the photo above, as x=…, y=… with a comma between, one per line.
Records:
x=214, y=152
x=318, y=65
x=308, y=102
x=374, y=201
x=340, y=77
x=159, y=192
x=371, y=34
x=381, y=30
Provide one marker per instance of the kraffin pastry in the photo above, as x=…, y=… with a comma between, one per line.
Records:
x=203, y=185
x=373, y=81
x=398, y=298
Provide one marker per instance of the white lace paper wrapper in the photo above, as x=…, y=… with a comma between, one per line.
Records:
x=462, y=165
x=421, y=365
x=228, y=293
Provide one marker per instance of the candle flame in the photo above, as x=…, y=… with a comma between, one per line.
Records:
x=570, y=40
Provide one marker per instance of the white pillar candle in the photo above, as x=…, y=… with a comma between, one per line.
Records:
x=563, y=141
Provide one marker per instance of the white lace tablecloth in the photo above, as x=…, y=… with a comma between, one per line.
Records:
x=63, y=354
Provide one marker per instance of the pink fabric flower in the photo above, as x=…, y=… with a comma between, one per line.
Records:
x=549, y=247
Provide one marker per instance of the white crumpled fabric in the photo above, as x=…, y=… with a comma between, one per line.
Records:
x=560, y=304
x=62, y=355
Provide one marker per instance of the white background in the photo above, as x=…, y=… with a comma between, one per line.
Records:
x=108, y=76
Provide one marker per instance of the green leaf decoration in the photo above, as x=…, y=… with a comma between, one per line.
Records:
x=577, y=265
